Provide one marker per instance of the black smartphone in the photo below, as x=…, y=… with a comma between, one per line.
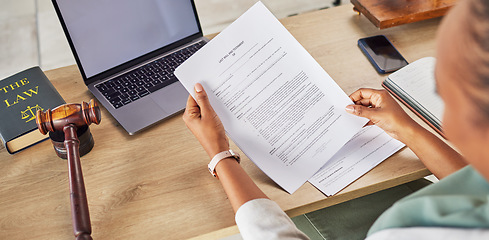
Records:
x=382, y=54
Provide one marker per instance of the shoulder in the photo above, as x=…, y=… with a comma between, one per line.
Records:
x=264, y=219
x=430, y=233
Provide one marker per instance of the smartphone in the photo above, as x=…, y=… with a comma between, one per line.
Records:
x=382, y=54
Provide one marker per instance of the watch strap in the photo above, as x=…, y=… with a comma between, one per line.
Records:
x=220, y=156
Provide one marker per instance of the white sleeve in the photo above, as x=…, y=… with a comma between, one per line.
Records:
x=263, y=219
x=430, y=233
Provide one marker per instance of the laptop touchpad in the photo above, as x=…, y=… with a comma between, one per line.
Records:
x=172, y=98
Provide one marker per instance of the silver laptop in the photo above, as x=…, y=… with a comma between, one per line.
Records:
x=127, y=50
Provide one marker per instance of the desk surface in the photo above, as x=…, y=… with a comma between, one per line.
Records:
x=155, y=184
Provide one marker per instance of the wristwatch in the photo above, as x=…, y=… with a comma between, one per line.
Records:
x=220, y=156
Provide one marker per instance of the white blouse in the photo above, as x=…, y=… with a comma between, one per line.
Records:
x=263, y=219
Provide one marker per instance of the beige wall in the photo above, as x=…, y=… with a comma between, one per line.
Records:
x=30, y=33
x=217, y=14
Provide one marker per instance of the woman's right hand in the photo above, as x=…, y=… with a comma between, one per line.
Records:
x=203, y=122
x=383, y=111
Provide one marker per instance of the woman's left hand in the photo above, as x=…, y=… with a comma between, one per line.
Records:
x=383, y=111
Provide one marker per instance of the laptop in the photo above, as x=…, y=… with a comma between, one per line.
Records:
x=127, y=50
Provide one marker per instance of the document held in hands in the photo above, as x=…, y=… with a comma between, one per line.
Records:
x=275, y=101
x=364, y=151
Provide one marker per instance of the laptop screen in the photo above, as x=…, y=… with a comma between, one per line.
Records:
x=108, y=33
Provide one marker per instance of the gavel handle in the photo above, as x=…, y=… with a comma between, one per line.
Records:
x=78, y=197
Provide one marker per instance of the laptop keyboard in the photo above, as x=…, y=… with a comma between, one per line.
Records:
x=146, y=79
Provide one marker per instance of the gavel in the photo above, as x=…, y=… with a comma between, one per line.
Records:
x=68, y=118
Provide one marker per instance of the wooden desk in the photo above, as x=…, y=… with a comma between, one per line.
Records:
x=155, y=185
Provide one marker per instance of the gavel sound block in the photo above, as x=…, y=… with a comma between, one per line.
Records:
x=72, y=120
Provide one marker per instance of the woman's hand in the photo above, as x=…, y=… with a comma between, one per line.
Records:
x=204, y=123
x=207, y=127
x=383, y=111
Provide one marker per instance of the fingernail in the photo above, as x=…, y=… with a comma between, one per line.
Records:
x=198, y=88
x=349, y=109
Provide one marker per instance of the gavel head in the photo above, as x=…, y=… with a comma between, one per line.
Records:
x=77, y=115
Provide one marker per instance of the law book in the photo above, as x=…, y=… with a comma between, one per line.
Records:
x=21, y=95
x=275, y=101
x=414, y=85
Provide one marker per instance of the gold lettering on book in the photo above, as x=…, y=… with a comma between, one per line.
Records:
x=29, y=114
x=31, y=91
x=22, y=97
x=14, y=85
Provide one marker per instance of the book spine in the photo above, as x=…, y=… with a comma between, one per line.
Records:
x=4, y=143
x=413, y=109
